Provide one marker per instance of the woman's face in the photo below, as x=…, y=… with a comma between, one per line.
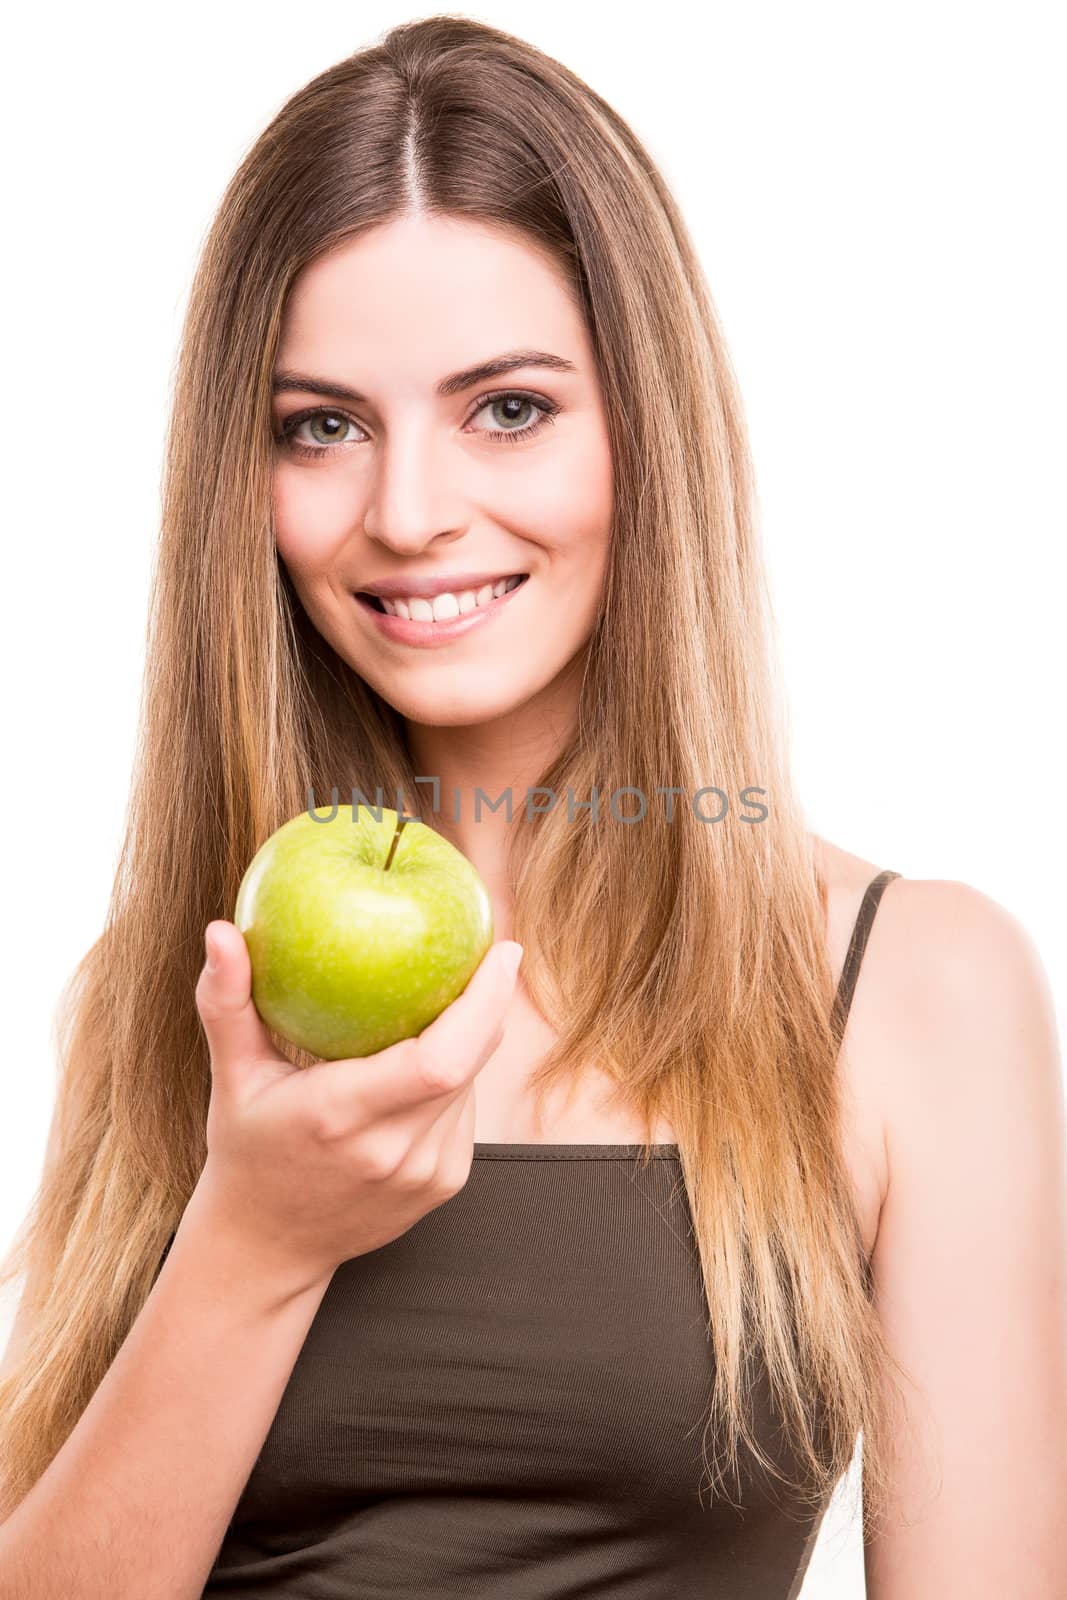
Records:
x=416, y=475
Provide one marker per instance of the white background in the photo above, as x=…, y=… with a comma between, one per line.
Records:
x=876, y=194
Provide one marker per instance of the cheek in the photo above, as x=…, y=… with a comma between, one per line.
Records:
x=569, y=507
x=311, y=518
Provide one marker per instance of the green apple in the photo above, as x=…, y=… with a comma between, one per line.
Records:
x=359, y=931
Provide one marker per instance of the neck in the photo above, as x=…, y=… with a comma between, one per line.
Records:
x=479, y=764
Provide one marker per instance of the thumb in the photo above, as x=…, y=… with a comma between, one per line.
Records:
x=510, y=959
x=235, y=1030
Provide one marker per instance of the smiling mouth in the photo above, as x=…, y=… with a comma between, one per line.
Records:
x=515, y=581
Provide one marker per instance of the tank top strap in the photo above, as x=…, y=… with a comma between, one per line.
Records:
x=857, y=944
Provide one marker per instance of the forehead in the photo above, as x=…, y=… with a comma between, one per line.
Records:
x=420, y=296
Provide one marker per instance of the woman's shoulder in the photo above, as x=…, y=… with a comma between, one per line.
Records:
x=951, y=1031
x=931, y=940
x=950, y=984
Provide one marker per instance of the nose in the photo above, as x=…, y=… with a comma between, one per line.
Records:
x=410, y=505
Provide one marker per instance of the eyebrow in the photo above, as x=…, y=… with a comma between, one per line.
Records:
x=284, y=382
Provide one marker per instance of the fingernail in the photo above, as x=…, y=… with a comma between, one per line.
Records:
x=511, y=960
x=211, y=950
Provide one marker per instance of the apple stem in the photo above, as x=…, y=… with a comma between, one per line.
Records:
x=401, y=825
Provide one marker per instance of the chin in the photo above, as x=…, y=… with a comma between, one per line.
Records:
x=470, y=695
x=443, y=705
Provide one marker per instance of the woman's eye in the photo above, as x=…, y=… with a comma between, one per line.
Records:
x=514, y=409
x=509, y=410
x=326, y=428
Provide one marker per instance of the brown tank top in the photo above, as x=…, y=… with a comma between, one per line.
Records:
x=507, y=1403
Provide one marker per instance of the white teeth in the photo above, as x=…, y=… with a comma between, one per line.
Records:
x=416, y=608
x=445, y=606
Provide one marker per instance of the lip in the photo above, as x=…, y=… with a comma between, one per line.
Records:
x=425, y=588
x=431, y=635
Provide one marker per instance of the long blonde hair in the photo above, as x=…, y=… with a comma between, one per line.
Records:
x=687, y=959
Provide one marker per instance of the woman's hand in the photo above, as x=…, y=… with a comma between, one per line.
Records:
x=317, y=1165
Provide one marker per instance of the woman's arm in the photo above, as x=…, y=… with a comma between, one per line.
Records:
x=136, y=1503
x=971, y=1257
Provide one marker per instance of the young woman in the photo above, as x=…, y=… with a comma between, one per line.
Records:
x=594, y=1286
